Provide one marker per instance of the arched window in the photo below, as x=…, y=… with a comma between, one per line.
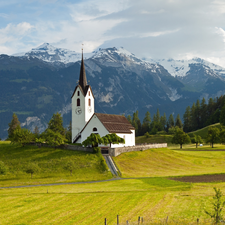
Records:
x=89, y=93
x=95, y=129
x=78, y=102
x=78, y=93
x=89, y=102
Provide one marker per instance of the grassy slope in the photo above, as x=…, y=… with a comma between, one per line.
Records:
x=51, y=162
x=154, y=139
x=203, y=132
x=166, y=162
x=85, y=204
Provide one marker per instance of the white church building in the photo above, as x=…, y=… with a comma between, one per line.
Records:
x=85, y=121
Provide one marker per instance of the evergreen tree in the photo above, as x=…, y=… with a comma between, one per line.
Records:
x=187, y=120
x=13, y=125
x=146, y=123
x=157, y=116
x=222, y=116
x=69, y=133
x=163, y=121
x=171, y=121
x=129, y=119
x=197, y=114
x=203, y=113
x=178, y=122
x=193, y=118
x=56, y=124
x=136, y=123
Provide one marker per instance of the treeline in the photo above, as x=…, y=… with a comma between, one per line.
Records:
x=155, y=124
x=54, y=135
x=203, y=114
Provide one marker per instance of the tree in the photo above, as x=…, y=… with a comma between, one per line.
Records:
x=129, y=119
x=14, y=124
x=222, y=116
x=171, y=121
x=112, y=139
x=222, y=135
x=70, y=165
x=136, y=123
x=32, y=168
x=69, y=133
x=56, y=124
x=22, y=136
x=163, y=121
x=146, y=123
x=180, y=137
x=36, y=131
x=187, y=120
x=94, y=140
x=212, y=135
x=196, y=139
x=178, y=122
x=53, y=138
x=218, y=205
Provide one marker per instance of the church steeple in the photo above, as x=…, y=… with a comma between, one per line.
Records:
x=83, y=79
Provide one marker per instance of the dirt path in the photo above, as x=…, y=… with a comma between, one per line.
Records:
x=201, y=178
x=55, y=184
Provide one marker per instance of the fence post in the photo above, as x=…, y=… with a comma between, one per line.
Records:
x=197, y=220
x=167, y=218
x=118, y=223
x=139, y=219
x=105, y=221
x=127, y=222
x=142, y=220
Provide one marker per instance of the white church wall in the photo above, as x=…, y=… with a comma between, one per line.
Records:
x=129, y=140
x=78, y=121
x=89, y=109
x=94, y=123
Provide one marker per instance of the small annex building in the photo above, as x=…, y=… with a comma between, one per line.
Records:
x=85, y=121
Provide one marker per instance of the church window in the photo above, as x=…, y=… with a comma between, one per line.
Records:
x=78, y=102
x=89, y=102
x=89, y=93
x=78, y=93
x=95, y=129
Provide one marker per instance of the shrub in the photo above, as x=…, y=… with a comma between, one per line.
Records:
x=3, y=168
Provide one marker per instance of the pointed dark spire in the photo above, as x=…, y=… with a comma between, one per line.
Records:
x=82, y=79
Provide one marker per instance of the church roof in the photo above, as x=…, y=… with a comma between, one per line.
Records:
x=114, y=123
x=82, y=80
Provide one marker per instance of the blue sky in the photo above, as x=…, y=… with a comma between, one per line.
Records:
x=177, y=29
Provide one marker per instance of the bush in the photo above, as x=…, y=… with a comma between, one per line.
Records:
x=97, y=150
x=32, y=168
x=3, y=168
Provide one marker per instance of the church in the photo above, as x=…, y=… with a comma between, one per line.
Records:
x=85, y=121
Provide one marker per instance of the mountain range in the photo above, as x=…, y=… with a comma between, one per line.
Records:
x=40, y=82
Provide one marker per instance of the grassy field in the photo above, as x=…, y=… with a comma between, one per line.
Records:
x=166, y=162
x=51, y=163
x=153, y=199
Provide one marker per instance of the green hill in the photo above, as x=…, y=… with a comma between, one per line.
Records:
x=203, y=132
x=165, y=162
x=51, y=163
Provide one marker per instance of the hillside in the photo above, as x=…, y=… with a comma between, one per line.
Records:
x=41, y=82
x=165, y=162
x=51, y=163
x=203, y=132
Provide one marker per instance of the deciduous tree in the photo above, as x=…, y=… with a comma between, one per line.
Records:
x=180, y=137
x=213, y=135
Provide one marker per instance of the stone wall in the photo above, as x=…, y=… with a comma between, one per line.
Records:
x=117, y=151
x=77, y=148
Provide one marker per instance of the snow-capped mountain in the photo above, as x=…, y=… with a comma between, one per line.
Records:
x=180, y=68
x=49, y=53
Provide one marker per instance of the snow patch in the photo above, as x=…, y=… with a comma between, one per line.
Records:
x=173, y=96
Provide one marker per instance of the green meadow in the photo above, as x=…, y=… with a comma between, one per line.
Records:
x=145, y=190
x=51, y=163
